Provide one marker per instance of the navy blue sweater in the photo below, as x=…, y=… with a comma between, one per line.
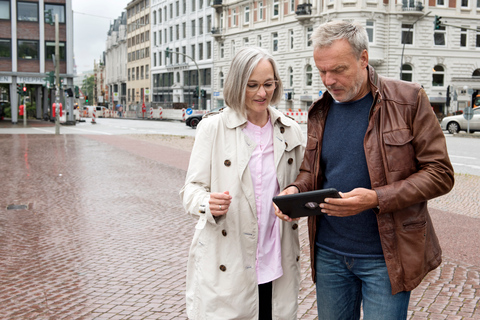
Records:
x=344, y=167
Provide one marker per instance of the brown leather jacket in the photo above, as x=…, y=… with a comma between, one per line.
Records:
x=408, y=164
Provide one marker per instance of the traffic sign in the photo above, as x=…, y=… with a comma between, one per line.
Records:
x=468, y=113
x=216, y=94
x=189, y=111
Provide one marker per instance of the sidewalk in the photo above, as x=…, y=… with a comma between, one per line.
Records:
x=104, y=236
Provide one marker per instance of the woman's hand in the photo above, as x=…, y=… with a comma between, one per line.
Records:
x=219, y=203
x=278, y=213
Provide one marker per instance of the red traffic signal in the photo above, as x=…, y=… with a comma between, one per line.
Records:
x=24, y=89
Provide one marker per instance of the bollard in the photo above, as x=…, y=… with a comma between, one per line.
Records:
x=151, y=113
x=94, y=115
x=161, y=113
x=183, y=114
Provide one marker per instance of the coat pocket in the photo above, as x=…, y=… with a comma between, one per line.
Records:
x=399, y=150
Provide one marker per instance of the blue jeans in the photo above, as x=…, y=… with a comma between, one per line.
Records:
x=344, y=283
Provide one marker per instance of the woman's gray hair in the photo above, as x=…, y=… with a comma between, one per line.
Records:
x=325, y=34
x=241, y=68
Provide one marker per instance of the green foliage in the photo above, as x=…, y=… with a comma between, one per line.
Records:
x=88, y=84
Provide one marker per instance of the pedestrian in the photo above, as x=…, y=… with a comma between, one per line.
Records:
x=377, y=141
x=243, y=261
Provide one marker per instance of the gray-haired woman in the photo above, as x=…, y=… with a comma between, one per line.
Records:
x=243, y=261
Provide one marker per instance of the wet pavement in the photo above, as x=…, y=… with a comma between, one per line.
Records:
x=103, y=234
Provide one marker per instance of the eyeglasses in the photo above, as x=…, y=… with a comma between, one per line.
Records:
x=268, y=86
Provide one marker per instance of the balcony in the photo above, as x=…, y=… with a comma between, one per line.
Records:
x=410, y=5
x=216, y=32
x=216, y=3
x=304, y=9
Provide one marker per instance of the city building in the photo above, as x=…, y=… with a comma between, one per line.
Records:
x=27, y=46
x=115, y=89
x=182, y=56
x=99, y=88
x=138, y=54
x=404, y=43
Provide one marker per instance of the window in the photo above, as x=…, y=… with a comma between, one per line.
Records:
x=463, y=37
x=290, y=77
x=160, y=59
x=292, y=6
x=221, y=20
x=245, y=42
x=171, y=10
x=477, y=42
x=200, y=26
x=128, y=79
x=184, y=30
x=154, y=17
x=439, y=36
x=200, y=4
x=275, y=8
x=193, y=52
x=160, y=37
x=159, y=16
x=309, y=35
x=407, y=33
x=56, y=9
x=141, y=73
x=5, y=48
x=177, y=32
x=177, y=8
x=50, y=49
x=370, y=27
x=154, y=59
x=438, y=76
x=177, y=50
x=184, y=6
x=5, y=10
x=260, y=10
x=464, y=3
x=441, y=3
x=292, y=38
x=193, y=28
x=478, y=3
x=27, y=11
x=171, y=33
x=220, y=76
x=27, y=49
x=308, y=75
x=246, y=15
x=184, y=51
x=209, y=24
x=275, y=42
x=222, y=50
x=234, y=17
x=133, y=74
x=259, y=40
x=154, y=38
x=407, y=73
x=209, y=50
x=200, y=51
x=193, y=5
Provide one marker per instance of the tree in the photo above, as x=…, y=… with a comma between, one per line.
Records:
x=88, y=84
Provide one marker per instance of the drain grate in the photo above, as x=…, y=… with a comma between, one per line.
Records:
x=17, y=207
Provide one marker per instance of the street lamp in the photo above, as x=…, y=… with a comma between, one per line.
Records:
x=403, y=49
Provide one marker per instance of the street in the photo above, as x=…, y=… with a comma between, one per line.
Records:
x=91, y=226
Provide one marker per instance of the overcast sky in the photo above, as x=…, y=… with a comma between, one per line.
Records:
x=92, y=19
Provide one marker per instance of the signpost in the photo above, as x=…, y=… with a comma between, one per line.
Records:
x=468, y=115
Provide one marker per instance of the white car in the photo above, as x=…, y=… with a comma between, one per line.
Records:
x=454, y=124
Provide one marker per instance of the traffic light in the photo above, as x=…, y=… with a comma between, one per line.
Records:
x=77, y=92
x=167, y=52
x=86, y=99
x=195, y=92
x=24, y=90
x=203, y=93
x=19, y=89
x=49, y=17
x=437, y=22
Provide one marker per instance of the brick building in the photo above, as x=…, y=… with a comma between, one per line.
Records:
x=27, y=42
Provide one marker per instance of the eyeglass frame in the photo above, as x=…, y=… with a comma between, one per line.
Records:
x=262, y=85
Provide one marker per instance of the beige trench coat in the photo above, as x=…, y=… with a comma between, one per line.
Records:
x=221, y=273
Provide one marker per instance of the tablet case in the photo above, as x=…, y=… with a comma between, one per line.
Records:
x=304, y=204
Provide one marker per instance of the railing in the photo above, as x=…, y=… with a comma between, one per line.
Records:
x=304, y=9
x=216, y=3
x=410, y=5
x=216, y=30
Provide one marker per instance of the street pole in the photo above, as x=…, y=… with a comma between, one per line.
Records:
x=24, y=107
x=403, y=49
x=57, y=78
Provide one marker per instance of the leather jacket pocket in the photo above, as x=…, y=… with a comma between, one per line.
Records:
x=398, y=150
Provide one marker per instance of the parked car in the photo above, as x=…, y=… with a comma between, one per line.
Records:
x=194, y=119
x=455, y=124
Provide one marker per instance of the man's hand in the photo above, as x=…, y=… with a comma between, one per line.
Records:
x=351, y=203
x=284, y=217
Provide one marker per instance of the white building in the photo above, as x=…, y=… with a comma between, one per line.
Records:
x=184, y=28
x=115, y=90
x=400, y=32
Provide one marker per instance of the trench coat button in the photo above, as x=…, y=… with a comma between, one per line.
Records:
x=286, y=145
x=227, y=163
x=224, y=233
x=282, y=129
x=223, y=268
x=298, y=258
x=290, y=161
x=294, y=226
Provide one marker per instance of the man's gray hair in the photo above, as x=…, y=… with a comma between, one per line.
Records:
x=241, y=68
x=325, y=34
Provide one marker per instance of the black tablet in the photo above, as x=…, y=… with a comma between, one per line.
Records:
x=304, y=204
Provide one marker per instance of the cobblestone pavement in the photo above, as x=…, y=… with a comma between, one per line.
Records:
x=103, y=234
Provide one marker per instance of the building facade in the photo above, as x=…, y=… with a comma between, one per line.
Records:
x=115, y=89
x=182, y=53
x=404, y=43
x=138, y=54
x=27, y=43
